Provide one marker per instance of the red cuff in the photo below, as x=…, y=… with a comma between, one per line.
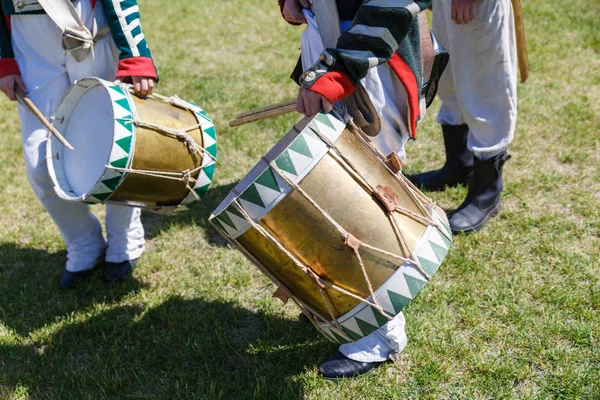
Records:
x=8, y=66
x=333, y=86
x=137, y=66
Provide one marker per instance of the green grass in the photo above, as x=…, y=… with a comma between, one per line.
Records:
x=512, y=313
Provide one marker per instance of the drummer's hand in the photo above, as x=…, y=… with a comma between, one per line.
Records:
x=7, y=85
x=463, y=11
x=142, y=85
x=292, y=11
x=310, y=103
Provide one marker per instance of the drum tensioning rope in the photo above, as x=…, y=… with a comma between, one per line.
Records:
x=180, y=134
x=350, y=240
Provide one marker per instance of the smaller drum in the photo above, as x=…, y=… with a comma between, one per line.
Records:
x=328, y=219
x=157, y=153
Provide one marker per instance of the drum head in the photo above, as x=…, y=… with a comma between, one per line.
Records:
x=85, y=117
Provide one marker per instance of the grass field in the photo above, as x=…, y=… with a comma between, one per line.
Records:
x=514, y=312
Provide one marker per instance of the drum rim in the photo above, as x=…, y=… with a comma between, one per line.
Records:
x=99, y=192
x=331, y=125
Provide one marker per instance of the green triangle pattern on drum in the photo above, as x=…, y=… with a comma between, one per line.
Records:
x=117, y=89
x=398, y=301
x=429, y=266
x=212, y=150
x=338, y=338
x=224, y=218
x=123, y=103
x=324, y=119
x=440, y=252
x=365, y=327
x=125, y=143
x=252, y=195
x=209, y=170
x=211, y=132
x=299, y=146
x=414, y=285
x=284, y=162
x=381, y=319
x=102, y=196
x=268, y=179
x=112, y=183
x=327, y=125
x=126, y=123
x=354, y=336
x=122, y=163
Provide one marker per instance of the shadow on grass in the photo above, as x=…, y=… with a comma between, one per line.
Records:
x=157, y=224
x=29, y=294
x=180, y=349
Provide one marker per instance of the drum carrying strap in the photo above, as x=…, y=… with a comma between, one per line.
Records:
x=76, y=37
x=359, y=105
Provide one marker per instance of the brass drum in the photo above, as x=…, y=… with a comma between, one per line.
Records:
x=347, y=238
x=157, y=153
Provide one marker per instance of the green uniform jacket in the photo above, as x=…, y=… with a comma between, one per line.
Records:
x=382, y=31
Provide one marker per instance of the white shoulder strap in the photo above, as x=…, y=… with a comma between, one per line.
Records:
x=328, y=21
x=77, y=38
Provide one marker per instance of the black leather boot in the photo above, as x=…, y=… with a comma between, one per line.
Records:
x=339, y=366
x=458, y=168
x=483, y=197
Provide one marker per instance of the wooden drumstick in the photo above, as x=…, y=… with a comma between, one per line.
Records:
x=522, y=58
x=29, y=104
x=274, y=110
x=266, y=108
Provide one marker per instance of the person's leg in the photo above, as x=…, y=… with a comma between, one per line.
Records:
x=458, y=167
x=40, y=57
x=124, y=230
x=486, y=81
x=486, y=90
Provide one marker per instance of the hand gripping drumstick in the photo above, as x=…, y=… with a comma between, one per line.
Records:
x=274, y=110
x=29, y=104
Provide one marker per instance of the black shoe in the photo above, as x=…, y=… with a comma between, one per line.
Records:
x=483, y=197
x=458, y=168
x=114, y=272
x=69, y=279
x=339, y=366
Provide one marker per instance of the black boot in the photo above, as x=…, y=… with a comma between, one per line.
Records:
x=483, y=197
x=114, y=272
x=339, y=366
x=458, y=168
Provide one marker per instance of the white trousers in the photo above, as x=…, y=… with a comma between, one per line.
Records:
x=479, y=86
x=48, y=71
x=389, y=98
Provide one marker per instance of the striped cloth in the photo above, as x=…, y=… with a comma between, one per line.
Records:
x=382, y=31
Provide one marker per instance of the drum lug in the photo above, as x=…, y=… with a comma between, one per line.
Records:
x=282, y=293
x=387, y=197
x=394, y=162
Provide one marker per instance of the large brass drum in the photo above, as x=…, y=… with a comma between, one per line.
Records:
x=156, y=153
x=340, y=233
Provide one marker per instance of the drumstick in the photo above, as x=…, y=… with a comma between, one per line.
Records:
x=29, y=104
x=266, y=108
x=274, y=110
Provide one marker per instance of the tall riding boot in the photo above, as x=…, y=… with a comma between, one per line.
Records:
x=483, y=197
x=458, y=168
